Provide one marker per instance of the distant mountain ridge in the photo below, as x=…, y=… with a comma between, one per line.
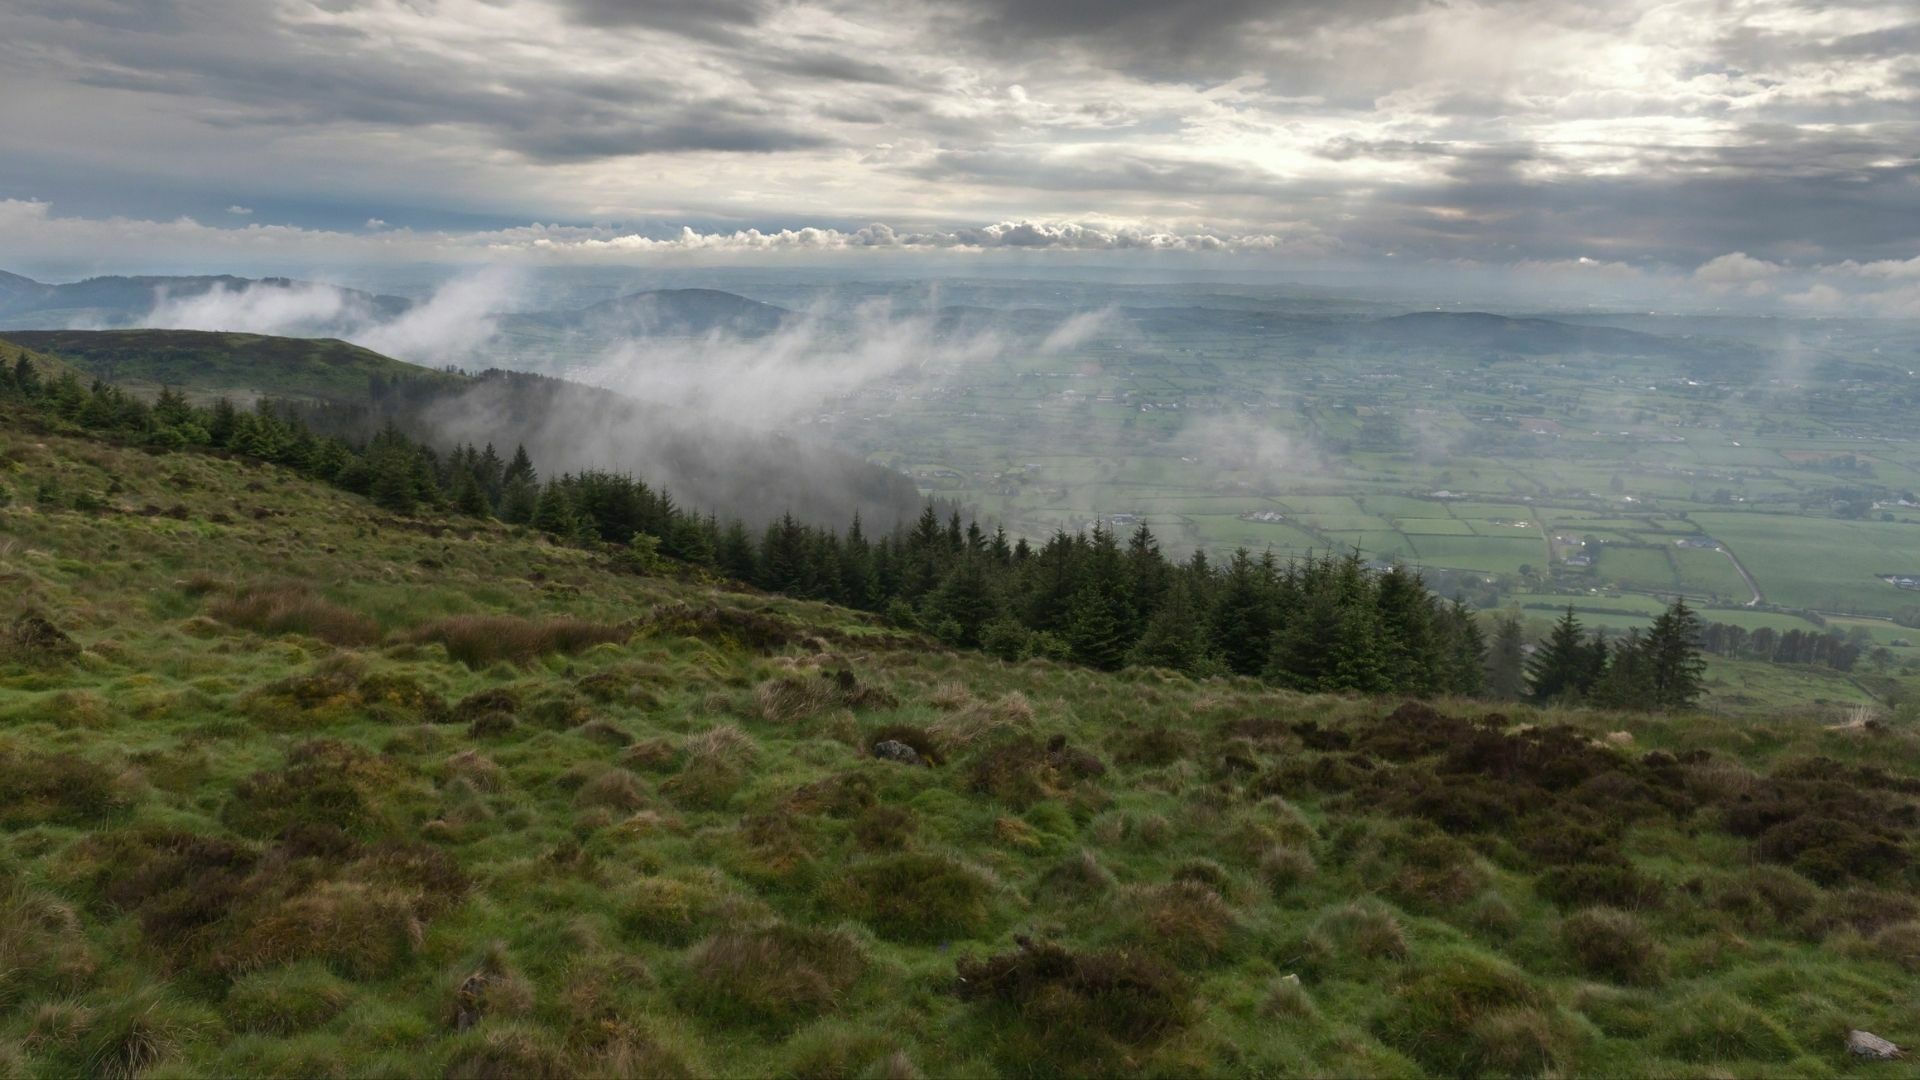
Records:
x=1502, y=333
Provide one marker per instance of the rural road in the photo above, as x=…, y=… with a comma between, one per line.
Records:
x=1758, y=597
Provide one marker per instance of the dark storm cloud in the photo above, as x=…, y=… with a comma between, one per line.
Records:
x=719, y=20
x=300, y=76
x=1160, y=38
x=1667, y=220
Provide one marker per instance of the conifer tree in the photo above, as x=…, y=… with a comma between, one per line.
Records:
x=26, y=380
x=1562, y=664
x=1628, y=680
x=392, y=487
x=1465, y=650
x=1408, y=644
x=222, y=422
x=1676, y=672
x=520, y=468
x=965, y=599
x=1506, y=660
x=1241, y=623
x=554, y=513
x=1093, y=633
x=468, y=496
x=1175, y=637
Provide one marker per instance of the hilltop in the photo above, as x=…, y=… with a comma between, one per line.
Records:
x=437, y=795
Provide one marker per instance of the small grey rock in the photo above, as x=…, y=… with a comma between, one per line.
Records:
x=1866, y=1044
x=895, y=750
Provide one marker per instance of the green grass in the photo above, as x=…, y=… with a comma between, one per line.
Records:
x=426, y=800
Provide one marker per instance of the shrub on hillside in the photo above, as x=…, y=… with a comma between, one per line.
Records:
x=1283, y=867
x=885, y=827
x=1830, y=850
x=1613, y=882
x=791, y=698
x=60, y=787
x=1080, y=1013
x=137, y=1032
x=325, y=782
x=509, y=1052
x=713, y=765
x=1076, y=879
x=31, y=638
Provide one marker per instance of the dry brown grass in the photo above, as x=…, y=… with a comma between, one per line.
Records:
x=1186, y=921
x=979, y=719
x=480, y=640
x=714, y=765
x=293, y=608
x=791, y=698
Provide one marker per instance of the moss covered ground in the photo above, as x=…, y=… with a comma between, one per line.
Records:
x=290, y=786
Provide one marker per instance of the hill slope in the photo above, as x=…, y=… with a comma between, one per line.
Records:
x=428, y=798
x=347, y=390
x=246, y=366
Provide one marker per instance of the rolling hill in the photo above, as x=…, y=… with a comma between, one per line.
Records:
x=245, y=366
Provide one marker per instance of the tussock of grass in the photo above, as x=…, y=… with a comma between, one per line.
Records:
x=1186, y=921
x=774, y=974
x=916, y=896
x=1462, y=1013
x=1061, y=1011
x=479, y=641
x=283, y=1001
x=293, y=608
x=1612, y=945
x=1359, y=930
x=58, y=787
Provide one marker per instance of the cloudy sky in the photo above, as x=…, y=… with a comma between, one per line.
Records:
x=1734, y=140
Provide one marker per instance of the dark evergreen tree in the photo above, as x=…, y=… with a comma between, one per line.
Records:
x=1561, y=666
x=1676, y=672
x=1506, y=661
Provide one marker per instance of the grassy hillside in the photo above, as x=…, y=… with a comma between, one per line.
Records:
x=290, y=786
x=46, y=366
x=245, y=366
